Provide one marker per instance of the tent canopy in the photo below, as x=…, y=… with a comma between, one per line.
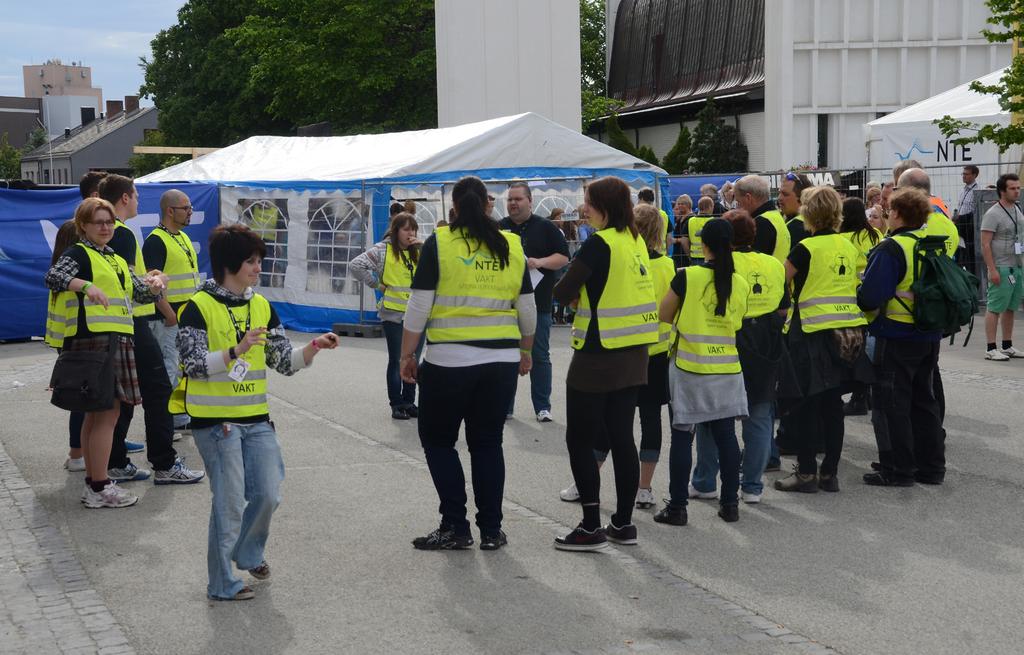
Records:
x=523, y=141
x=959, y=102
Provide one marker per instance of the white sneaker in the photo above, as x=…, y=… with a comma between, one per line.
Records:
x=1012, y=352
x=750, y=498
x=178, y=474
x=111, y=496
x=86, y=490
x=570, y=494
x=74, y=464
x=645, y=498
x=997, y=355
x=176, y=436
x=703, y=495
x=544, y=415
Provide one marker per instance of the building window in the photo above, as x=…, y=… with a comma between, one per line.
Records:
x=822, y=140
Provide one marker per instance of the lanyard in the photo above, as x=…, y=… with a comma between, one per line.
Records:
x=115, y=268
x=405, y=260
x=187, y=251
x=1013, y=219
x=239, y=332
x=967, y=193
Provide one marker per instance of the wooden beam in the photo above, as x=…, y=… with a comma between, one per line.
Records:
x=172, y=150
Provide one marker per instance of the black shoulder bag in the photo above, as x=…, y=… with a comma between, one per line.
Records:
x=83, y=381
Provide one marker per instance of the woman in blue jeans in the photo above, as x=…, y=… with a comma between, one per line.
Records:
x=706, y=303
x=228, y=337
x=389, y=267
x=762, y=351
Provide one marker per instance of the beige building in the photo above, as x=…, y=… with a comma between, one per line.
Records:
x=54, y=78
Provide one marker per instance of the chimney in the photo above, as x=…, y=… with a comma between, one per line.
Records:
x=131, y=103
x=67, y=132
x=88, y=114
x=114, y=109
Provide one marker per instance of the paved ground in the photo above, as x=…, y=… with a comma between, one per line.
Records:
x=867, y=570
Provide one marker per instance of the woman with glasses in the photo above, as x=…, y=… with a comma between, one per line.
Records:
x=389, y=267
x=93, y=293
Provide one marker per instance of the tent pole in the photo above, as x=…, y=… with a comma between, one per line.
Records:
x=362, y=244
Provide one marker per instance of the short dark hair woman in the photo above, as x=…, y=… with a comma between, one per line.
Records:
x=93, y=289
x=861, y=234
x=389, y=267
x=473, y=298
x=228, y=337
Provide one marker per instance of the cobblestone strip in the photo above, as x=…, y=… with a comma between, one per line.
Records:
x=47, y=604
x=760, y=628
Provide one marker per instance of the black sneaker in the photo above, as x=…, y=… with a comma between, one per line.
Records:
x=729, y=513
x=828, y=482
x=773, y=465
x=930, y=478
x=879, y=479
x=626, y=535
x=671, y=515
x=493, y=541
x=399, y=413
x=582, y=540
x=412, y=411
x=443, y=539
x=856, y=407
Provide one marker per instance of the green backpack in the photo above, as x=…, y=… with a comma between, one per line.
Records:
x=945, y=294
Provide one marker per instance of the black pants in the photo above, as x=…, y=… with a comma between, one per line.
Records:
x=478, y=395
x=821, y=414
x=156, y=391
x=599, y=420
x=906, y=387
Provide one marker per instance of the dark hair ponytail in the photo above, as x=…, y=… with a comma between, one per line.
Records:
x=470, y=198
x=723, y=267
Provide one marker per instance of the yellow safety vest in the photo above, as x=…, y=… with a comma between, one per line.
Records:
x=264, y=222
x=475, y=297
x=219, y=396
x=397, y=279
x=663, y=270
x=938, y=223
x=181, y=265
x=862, y=242
x=61, y=318
x=694, y=226
x=766, y=278
x=900, y=307
x=706, y=343
x=782, y=240
x=140, y=270
x=627, y=314
x=828, y=299
x=664, y=231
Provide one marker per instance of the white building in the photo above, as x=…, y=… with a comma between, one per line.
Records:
x=501, y=57
x=800, y=77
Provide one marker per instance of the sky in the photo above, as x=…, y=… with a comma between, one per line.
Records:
x=109, y=37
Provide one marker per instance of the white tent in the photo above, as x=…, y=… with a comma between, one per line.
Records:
x=525, y=141
x=318, y=202
x=911, y=133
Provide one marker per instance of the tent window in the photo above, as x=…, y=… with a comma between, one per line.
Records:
x=269, y=219
x=337, y=235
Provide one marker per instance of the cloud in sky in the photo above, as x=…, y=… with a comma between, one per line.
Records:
x=109, y=38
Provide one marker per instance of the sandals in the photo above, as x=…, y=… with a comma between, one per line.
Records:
x=261, y=572
x=245, y=593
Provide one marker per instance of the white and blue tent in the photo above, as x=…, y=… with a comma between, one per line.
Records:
x=320, y=201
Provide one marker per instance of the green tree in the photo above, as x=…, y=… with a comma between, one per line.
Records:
x=617, y=138
x=677, y=161
x=200, y=80
x=37, y=138
x=1009, y=15
x=363, y=65
x=593, y=48
x=10, y=160
x=146, y=164
x=647, y=154
x=717, y=147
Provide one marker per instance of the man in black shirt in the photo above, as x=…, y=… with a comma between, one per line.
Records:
x=546, y=252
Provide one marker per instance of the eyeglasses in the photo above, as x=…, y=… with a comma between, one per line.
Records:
x=103, y=223
x=187, y=208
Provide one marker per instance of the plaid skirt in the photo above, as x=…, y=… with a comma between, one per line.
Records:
x=126, y=380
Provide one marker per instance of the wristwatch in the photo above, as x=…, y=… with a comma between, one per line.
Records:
x=231, y=353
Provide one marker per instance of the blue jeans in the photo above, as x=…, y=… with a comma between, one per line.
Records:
x=757, y=449
x=540, y=374
x=166, y=338
x=721, y=437
x=400, y=394
x=245, y=469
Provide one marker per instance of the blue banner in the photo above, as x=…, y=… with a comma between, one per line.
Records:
x=29, y=221
x=691, y=184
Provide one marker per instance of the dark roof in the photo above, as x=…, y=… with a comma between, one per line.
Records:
x=668, y=52
x=85, y=135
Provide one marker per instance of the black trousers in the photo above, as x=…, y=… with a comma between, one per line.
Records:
x=156, y=391
x=603, y=420
x=906, y=387
x=820, y=416
x=477, y=395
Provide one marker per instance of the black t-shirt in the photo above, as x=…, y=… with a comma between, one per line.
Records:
x=540, y=238
x=765, y=237
x=428, y=272
x=192, y=317
x=797, y=230
x=123, y=243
